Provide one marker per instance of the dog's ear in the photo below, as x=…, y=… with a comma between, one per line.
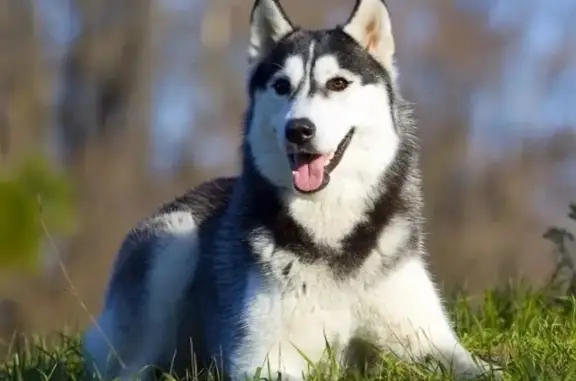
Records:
x=268, y=24
x=370, y=26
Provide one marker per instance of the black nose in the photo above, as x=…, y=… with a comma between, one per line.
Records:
x=300, y=131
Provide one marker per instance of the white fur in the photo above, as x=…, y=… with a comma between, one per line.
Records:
x=173, y=265
x=285, y=322
x=281, y=323
x=404, y=314
x=401, y=313
x=333, y=211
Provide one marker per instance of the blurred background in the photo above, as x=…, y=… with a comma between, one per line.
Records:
x=110, y=107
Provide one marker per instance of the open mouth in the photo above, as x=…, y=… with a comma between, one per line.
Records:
x=311, y=171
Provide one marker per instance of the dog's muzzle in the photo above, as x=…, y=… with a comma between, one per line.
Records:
x=311, y=170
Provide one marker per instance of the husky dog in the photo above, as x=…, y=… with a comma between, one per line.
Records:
x=317, y=242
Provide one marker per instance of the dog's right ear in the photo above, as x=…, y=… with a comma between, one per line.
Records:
x=268, y=24
x=370, y=26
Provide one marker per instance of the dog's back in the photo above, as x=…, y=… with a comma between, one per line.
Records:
x=155, y=265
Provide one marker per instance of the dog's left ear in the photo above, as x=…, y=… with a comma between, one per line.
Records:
x=268, y=24
x=370, y=26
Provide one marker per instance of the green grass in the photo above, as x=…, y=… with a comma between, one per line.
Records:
x=532, y=335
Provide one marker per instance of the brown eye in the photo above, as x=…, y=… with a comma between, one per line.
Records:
x=337, y=84
x=282, y=86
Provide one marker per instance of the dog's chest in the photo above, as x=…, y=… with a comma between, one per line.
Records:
x=304, y=307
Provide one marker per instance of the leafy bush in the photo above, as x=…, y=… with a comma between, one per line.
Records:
x=565, y=273
x=33, y=197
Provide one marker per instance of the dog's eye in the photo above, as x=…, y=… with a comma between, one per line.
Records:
x=337, y=84
x=282, y=86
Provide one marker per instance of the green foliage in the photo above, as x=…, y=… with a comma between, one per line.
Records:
x=32, y=195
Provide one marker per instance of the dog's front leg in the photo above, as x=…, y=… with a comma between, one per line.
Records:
x=278, y=362
x=404, y=315
x=260, y=341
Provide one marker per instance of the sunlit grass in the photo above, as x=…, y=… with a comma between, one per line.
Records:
x=532, y=335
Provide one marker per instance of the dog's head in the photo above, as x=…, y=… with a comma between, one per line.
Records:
x=322, y=102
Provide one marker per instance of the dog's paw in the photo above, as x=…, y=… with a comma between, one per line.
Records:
x=482, y=370
x=267, y=376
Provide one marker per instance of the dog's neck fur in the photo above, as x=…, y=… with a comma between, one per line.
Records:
x=329, y=226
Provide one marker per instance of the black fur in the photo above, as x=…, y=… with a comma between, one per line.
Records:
x=265, y=209
x=336, y=42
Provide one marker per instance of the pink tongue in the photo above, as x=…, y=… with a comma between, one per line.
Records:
x=308, y=172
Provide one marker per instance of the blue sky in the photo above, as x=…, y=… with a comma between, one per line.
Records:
x=528, y=97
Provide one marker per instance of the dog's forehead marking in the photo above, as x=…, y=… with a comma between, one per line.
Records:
x=307, y=81
x=294, y=69
x=298, y=69
x=326, y=67
x=302, y=48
